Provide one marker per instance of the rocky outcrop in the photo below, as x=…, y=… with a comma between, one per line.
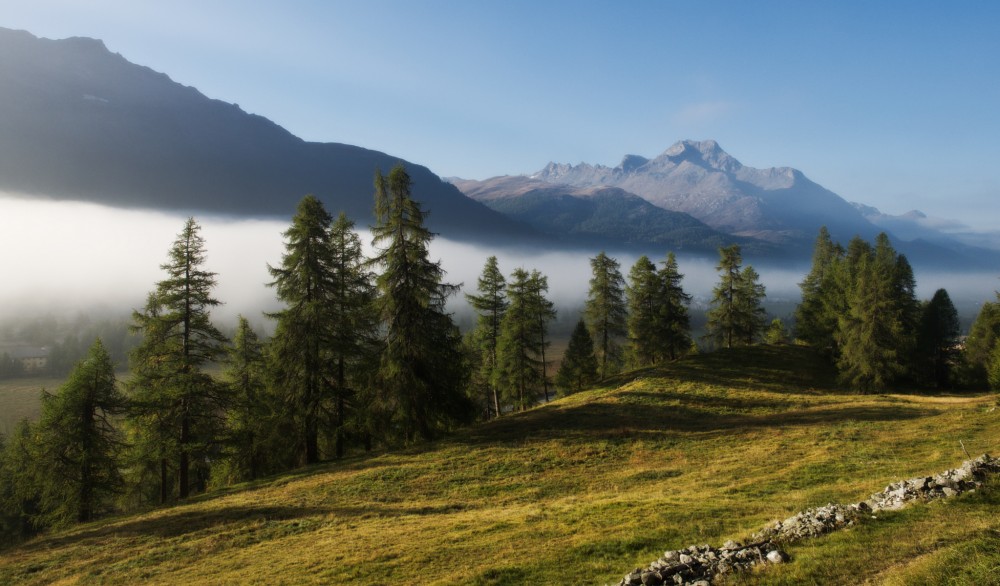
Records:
x=699, y=565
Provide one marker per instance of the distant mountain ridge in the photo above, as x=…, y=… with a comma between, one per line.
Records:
x=699, y=178
x=81, y=123
x=600, y=216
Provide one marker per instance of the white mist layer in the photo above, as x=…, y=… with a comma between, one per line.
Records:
x=62, y=257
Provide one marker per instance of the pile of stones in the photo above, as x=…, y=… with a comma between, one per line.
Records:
x=699, y=565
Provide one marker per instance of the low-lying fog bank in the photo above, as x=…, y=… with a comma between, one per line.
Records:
x=63, y=258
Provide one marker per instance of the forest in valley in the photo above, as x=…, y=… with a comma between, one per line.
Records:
x=364, y=356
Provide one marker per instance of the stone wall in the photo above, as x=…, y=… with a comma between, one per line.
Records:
x=699, y=565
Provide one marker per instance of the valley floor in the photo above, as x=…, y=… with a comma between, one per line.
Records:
x=582, y=490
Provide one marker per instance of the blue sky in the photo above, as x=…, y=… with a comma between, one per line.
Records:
x=894, y=104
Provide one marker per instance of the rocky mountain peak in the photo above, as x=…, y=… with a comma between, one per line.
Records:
x=704, y=152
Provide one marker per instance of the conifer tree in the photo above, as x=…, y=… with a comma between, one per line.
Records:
x=776, y=333
x=724, y=318
x=644, y=296
x=673, y=322
x=326, y=328
x=519, y=367
x=171, y=386
x=605, y=311
x=873, y=335
x=20, y=487
x=979, y=346
x=301, y=365
x=579, y=365
x=80, y=442
x=937, y=340
x=543, y=311
x=815, y=316
x=490, y=305
x=353, y=323
x=422, y=369
x=750, y=313
x=249, y=419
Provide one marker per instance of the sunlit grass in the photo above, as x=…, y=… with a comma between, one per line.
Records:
x=579, y=491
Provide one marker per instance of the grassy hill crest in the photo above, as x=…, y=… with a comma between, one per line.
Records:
x=709, y=448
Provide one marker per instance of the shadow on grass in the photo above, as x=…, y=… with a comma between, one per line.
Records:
x=270, y=521
x=597, y=420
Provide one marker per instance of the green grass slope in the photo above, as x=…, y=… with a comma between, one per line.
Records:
x=582, y=490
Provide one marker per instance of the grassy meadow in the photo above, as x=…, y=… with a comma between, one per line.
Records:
x=19, y=399
x=581, y=490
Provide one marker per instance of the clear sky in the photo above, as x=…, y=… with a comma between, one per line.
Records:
x=894, y=104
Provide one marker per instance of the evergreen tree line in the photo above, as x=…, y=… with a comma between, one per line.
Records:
x=635, y=323
x=859, y=305
x=364, y=354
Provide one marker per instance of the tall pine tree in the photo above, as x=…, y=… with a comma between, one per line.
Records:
x=422, y=370
x=605, y=312
x=751, y=317
x=543, y=311
x=249, y=419
x=519, y=366
x=673, y=322
x=815, y=318
x=724, y=316
x=937, y=341
x=301, y=365
x=171, y=388
x=874, y=334
x=490, y=305
x=644, y=296
x=80, y=441
x=579, y=365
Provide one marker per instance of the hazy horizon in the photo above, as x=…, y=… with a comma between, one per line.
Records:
x=86, y=257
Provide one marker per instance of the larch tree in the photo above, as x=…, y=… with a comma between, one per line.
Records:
x=80, y=442
x=874, y=335
x=422, y=369
x=20, y=486
x=605, y=311
x=937, y=340
x=979, y=345
x=543, y=311
x=518, y=375
x=249, y=418
x=326, y=327
x=815, y=317
x=300, y=362
x=171, y=386
x=353, y=324
x=751, y=317
x=673, y=321
x=644, y=297
x=490, y=304
x=724, y=316
x=579, y=365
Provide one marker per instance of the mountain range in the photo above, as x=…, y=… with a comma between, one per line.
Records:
x=774, y=212
x=78, y=122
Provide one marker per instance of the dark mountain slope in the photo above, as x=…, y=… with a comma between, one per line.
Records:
x=78, y=122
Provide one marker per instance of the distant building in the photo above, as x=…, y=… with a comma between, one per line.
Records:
x=32, y=358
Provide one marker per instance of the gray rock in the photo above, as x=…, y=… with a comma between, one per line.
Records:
x=686, y=559
x=776, y=556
